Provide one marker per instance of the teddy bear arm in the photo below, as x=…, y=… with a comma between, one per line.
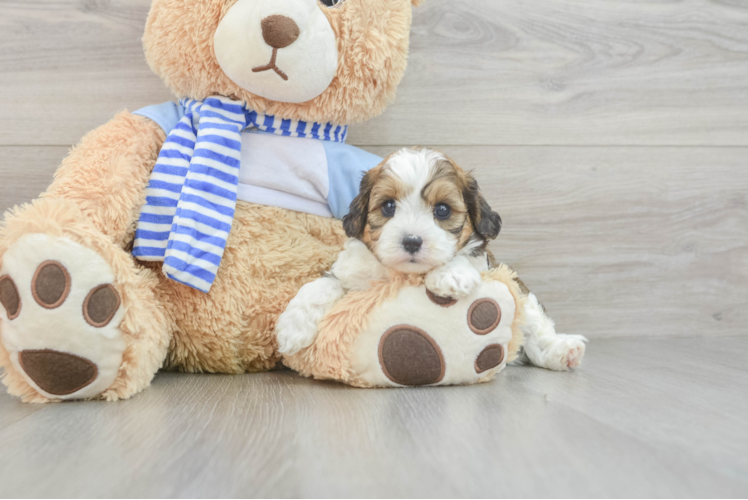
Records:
x=106, y=174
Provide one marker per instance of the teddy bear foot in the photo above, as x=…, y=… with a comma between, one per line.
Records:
x=422, y=339
x=60, y=317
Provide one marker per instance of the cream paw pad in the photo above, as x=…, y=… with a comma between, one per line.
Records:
x=422, y=339
x=60, y=317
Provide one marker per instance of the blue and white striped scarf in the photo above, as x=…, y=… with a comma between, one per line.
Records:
x=191, y=196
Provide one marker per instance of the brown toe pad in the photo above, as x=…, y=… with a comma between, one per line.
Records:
x=484, y=316
x=9, y=297
x=51, y=284
x=57, y=373
x=441, y=301
x=101, y=305
x=490, y=357
x=409, y=356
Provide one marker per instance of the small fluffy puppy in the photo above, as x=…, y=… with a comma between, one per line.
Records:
x=419, y=213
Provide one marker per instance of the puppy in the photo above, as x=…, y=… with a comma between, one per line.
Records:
x=419, y=213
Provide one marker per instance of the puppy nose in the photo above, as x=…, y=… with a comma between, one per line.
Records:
x=412, y=244
x=279, y=31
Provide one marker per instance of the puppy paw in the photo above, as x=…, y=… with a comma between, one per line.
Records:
x=564, y=353
x=453, y=281
x=293, y=335
x=297, y=327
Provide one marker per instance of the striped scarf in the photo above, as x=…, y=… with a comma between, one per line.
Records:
x=191, y=196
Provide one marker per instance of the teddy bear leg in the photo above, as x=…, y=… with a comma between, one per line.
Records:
x=395, y=336
x=78, y=318
x=421, y=339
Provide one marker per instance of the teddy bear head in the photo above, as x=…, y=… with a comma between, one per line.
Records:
x=314, y=60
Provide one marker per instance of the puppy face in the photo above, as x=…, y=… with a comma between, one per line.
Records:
x=418, y=209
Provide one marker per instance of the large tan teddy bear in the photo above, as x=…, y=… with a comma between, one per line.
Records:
x=175, y=236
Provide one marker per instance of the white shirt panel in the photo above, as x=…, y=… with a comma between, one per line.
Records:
x=287, y=172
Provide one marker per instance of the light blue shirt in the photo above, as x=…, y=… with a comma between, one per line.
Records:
x=306, y=175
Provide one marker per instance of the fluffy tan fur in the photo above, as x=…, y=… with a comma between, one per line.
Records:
x=105, y=176
x=270, y=254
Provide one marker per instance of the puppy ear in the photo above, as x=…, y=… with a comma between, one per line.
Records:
x=355, y=222
x=486, y=222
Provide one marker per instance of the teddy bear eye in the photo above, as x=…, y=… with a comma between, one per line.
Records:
x=332, y=3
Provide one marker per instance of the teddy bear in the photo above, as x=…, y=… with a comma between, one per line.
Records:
x=174, y=236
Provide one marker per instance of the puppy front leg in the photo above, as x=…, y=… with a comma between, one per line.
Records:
x=298, y=325
x=457, y=278
x=543, y=346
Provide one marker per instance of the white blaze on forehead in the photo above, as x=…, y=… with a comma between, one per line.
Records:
x=415, y=168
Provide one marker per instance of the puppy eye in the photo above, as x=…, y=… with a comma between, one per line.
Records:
x=388, y=208
x=442, y=211
x=332, y=3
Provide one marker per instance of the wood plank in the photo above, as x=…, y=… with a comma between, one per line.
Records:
x=638, y=420
x=482, y=72
x=572, y=72
x=27, y=171
x=67, y=66
x=615, y=241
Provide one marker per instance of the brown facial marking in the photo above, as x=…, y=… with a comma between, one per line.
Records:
x=51, y=284
x=446, y=186
x=486, y=222
x=388, y=187
x=57, y=373
x=490, y=357
x=101, y=305
x=441, y=301
x=409, y=356
x=484, y=316
x=9, y=297
x=355, y=221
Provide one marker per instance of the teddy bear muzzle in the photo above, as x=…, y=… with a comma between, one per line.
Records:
x=279, y=32
x=284, y=51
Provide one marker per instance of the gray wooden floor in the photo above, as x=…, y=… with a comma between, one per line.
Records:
x=647, y=417
x=613, y=139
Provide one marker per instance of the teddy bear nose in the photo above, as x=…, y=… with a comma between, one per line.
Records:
x=279, y=31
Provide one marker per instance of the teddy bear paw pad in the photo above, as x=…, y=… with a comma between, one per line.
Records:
x=60, y=317
x=409, y=356
x=419, y=338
